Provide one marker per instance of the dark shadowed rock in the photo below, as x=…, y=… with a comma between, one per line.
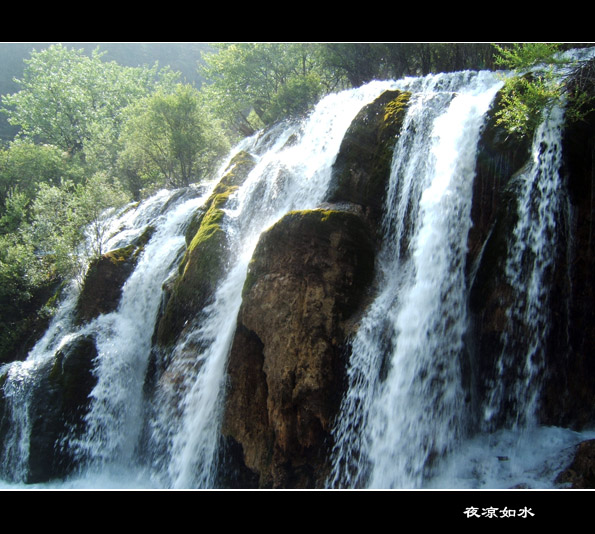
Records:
x=500, y=155
x=569, y=392
x=580, y=474
x=362, y=168
x=105, y=278
x=59, y=403
x=568, y=382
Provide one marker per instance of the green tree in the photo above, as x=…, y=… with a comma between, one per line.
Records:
x=540, y=77
x=24, y=165
x=66, y=97
x=169, y=137
x=68, y=224
x=15, y=211
x=249, y=83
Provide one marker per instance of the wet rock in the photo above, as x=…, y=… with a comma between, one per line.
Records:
x=569, y=389
x=59, y=403
x=362, y=168
x=580, y=474
x=105, y=278
x=204, y=261
x=306, y=280
x=568, y=380
x=500, y=155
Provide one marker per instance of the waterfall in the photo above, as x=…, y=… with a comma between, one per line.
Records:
x=532, y=252
x=122, y=338
x=287, y=177
x=412, y=415
x=292, y=172
x=405, y=419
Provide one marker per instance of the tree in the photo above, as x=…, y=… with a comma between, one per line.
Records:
x=258, y=77
x=540, y=77
x=68, y=222
x=66, y=96
x=24, y=165
x=171, y=136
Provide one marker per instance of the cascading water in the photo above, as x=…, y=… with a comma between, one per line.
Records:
x=286, y=177
x=403, y=420
x=413, y=413
x=531, y=255
x=290, y=174
x=122, y=338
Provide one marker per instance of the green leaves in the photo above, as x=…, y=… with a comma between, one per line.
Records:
x=64, y=93
x=67, y=221
x=532, y=89
x=270, y=80
x=524, y=100
x=522, y=56
x=535, y=85
x=171, y=134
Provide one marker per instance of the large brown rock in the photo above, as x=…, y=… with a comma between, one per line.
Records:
x=306, y=281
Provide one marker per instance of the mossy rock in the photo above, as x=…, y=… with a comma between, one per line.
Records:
x=205, y=258
x=105, y=278
x=237, y=171
x=361, y=170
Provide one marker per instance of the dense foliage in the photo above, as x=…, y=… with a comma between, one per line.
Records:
x=536, y=85
x=71, y=160
x=254, y=84
x=170, y=138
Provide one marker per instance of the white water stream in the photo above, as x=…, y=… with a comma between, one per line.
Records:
x=415, y=413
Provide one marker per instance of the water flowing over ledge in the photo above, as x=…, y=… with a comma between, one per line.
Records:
x=404, y=420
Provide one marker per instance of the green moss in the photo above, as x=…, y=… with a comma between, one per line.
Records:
x=120, y=255
x=237, y=171
x=394, y=111
x=207, y=253
x=130, y=252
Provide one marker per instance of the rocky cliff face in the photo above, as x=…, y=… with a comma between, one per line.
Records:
x=569, y=379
